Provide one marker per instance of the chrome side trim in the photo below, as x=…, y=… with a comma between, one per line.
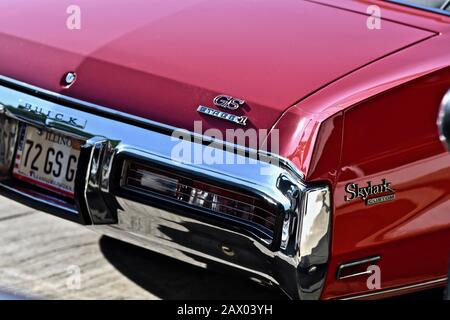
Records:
x=399, y=290
x=421, y=7
x=355, y=263
x=143, y=122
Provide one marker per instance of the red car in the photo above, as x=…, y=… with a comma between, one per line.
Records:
x=293, y=141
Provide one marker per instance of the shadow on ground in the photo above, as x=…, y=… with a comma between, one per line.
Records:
x=171, y=279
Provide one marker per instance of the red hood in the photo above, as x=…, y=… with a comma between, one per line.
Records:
x=160, y=59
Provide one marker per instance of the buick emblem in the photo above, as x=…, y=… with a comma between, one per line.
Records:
x=69, y=79
x=50, y=117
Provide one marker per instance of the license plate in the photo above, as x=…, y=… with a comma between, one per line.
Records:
x=47, y=160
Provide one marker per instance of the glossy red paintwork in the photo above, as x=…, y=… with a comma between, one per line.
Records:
x=351, y=104
x=386, y=115
x=161, y=59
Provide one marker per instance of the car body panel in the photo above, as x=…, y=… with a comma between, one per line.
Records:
x=401, y=96
x=306, y=117
x=412, y=233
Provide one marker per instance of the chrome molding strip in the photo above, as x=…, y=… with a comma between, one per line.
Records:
x=445, y=5
x=149, y=124
x=399, y=290
x=355, y=263
x=421, y=7
x=43, y=93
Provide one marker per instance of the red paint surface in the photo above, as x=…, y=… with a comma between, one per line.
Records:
x=400, y=143
x=161, y=59
x=386, y=115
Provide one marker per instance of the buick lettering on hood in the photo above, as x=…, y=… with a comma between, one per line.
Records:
x=300, y=151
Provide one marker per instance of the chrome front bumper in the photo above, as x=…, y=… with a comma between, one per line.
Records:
x=293, y=254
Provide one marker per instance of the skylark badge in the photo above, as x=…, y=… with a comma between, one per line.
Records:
x=371, y=194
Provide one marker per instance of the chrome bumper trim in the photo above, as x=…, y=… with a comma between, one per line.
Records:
x=293, y=257
x=122, y=117
x=395, y=291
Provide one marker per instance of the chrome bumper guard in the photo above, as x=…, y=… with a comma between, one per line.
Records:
x=291, y=251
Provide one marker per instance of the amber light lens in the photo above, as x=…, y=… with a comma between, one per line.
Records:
x=200, y=194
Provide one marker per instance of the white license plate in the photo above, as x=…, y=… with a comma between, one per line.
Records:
x=47, y=160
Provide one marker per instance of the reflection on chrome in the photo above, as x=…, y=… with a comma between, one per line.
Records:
x=316, y=220
x=444, y=120
x=275, y=225
x=8, y=136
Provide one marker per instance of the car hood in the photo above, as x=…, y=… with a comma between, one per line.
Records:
x=161, y=59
